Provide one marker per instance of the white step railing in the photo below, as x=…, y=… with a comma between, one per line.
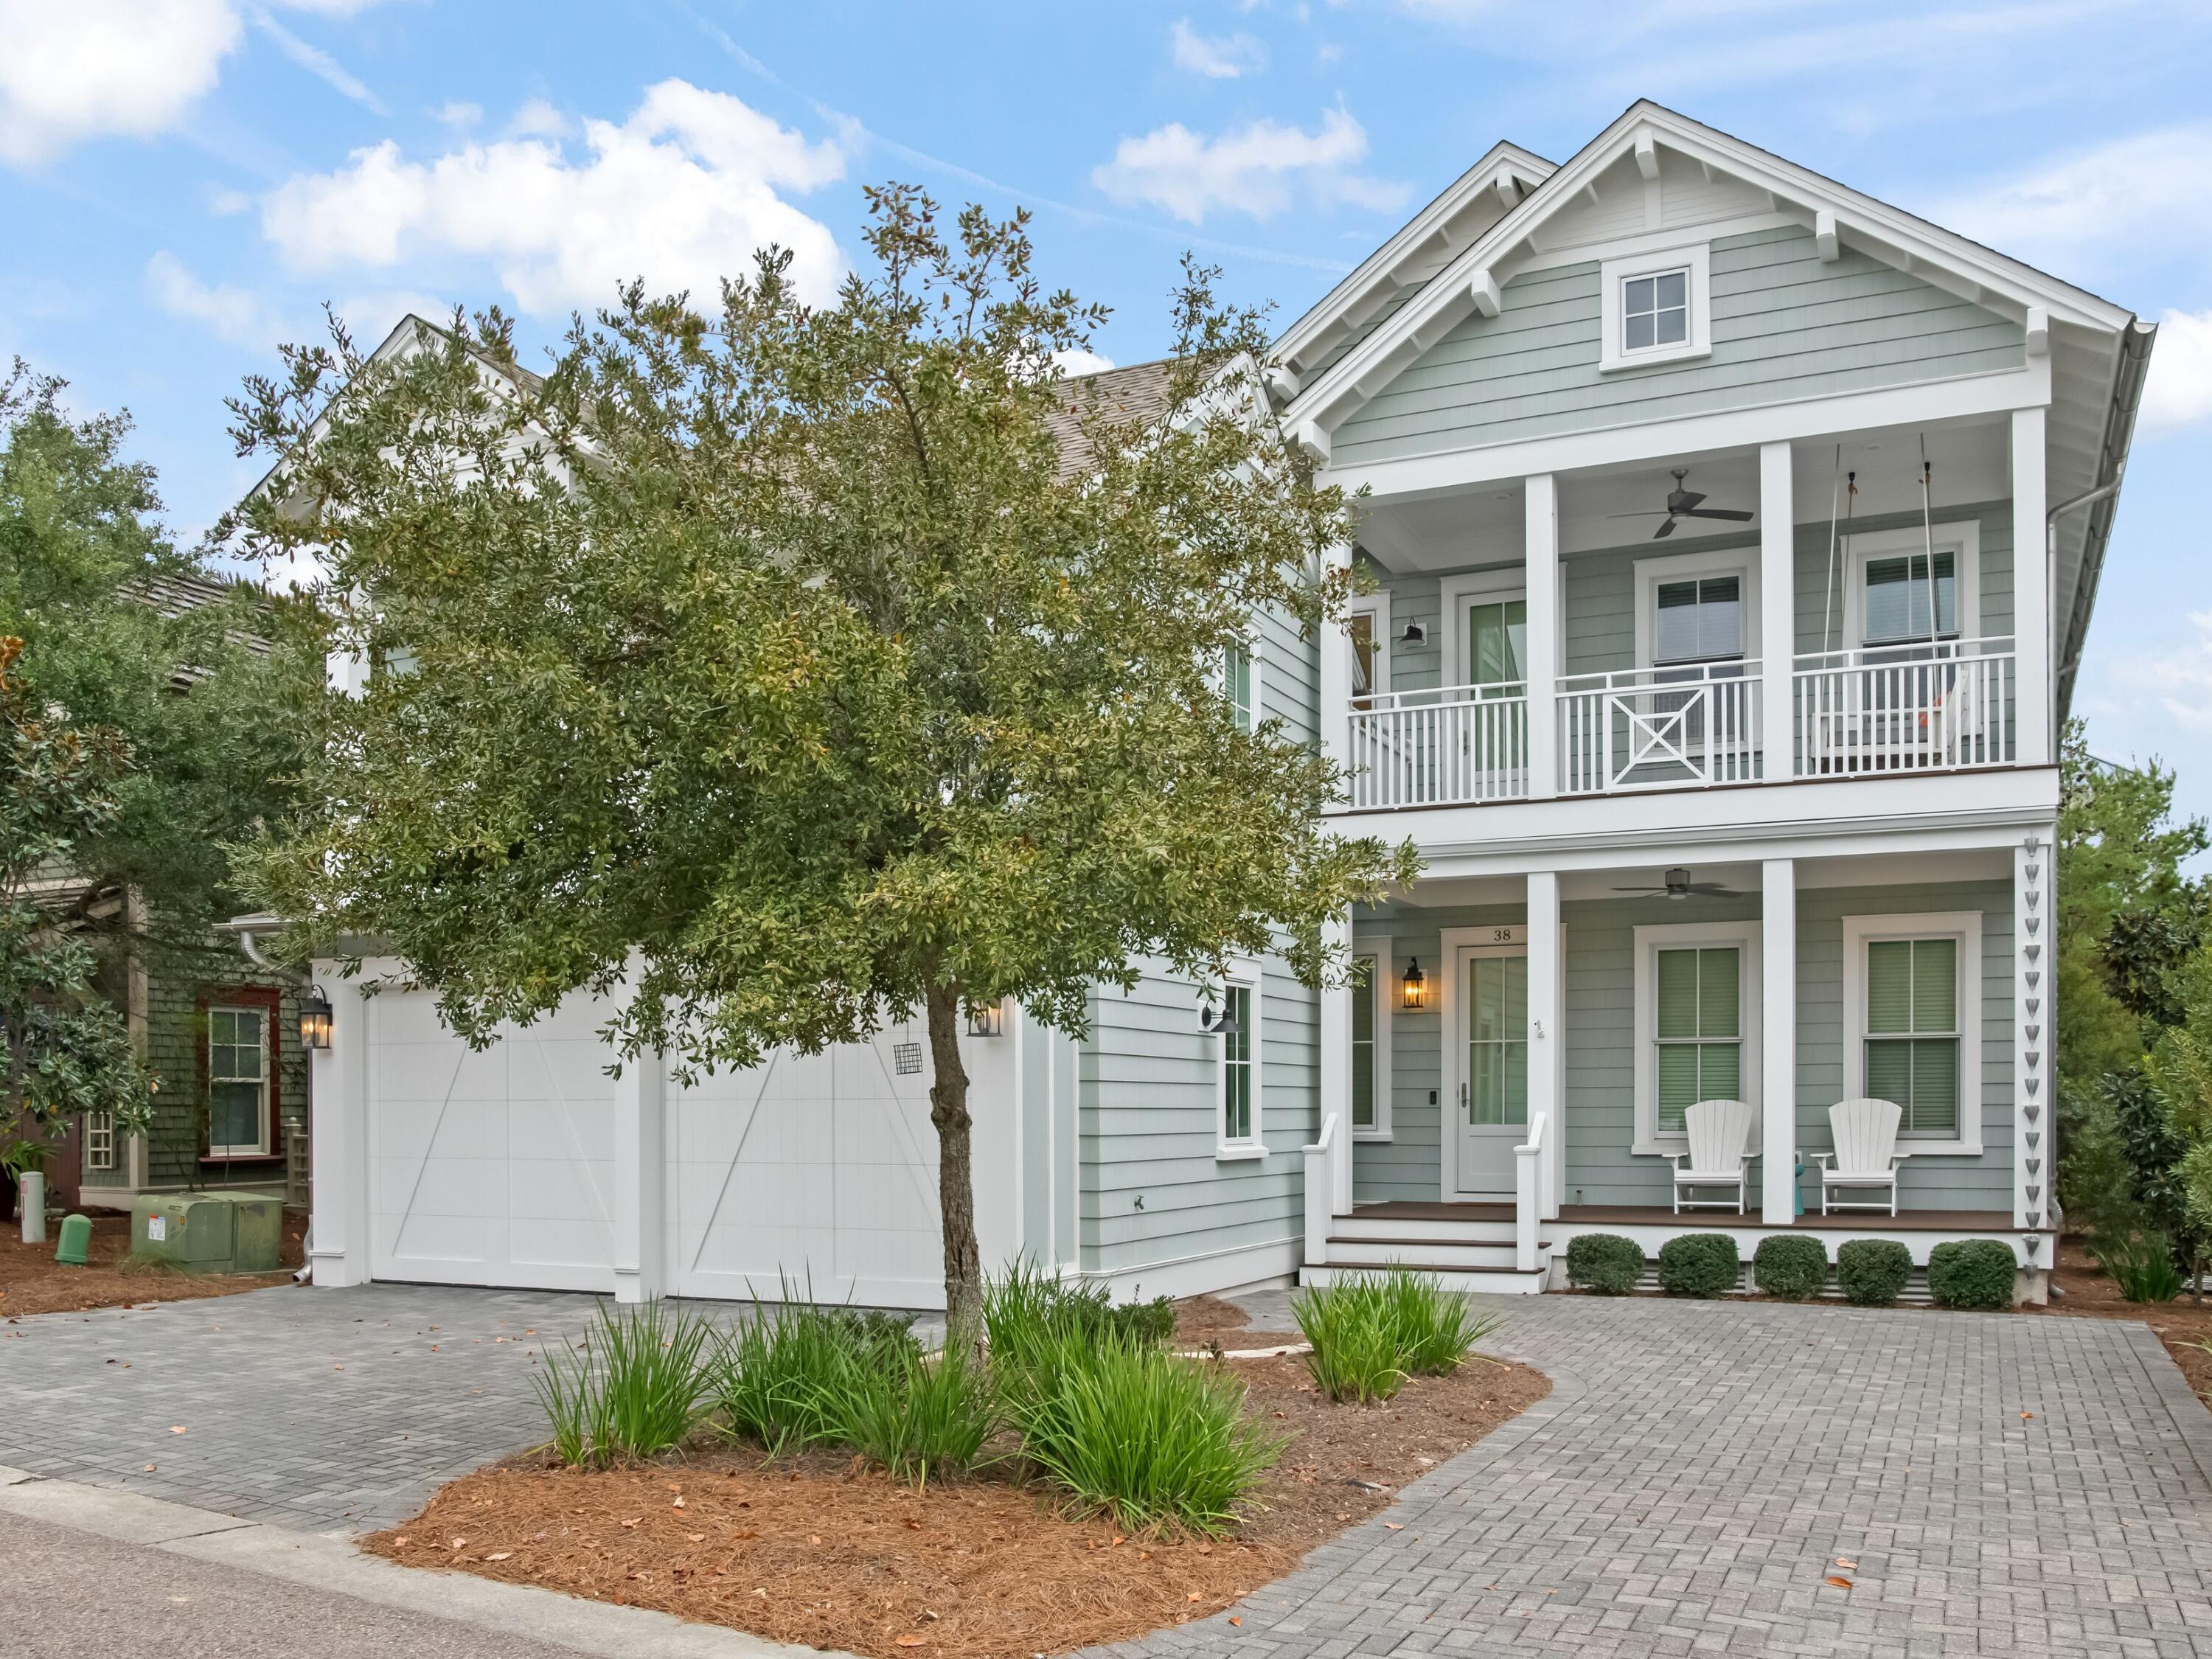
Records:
x=1328, y=1170
x=1528, y=1195
x=1457, y=746
x=1659, y=728
x=1878, y=709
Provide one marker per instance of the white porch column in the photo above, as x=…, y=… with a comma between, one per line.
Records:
x=2031, y=591
x=1334, y=677
x=1542, y=545
x=338, y=1081
x=1548, y=1090
x=641, y=1178
x=1778, y=1042
x=1336, y=1070
x=1777, y=617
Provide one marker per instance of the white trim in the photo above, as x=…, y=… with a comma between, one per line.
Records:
x=1452, y=941
x=266, y=1019
x=1739, y=562
x=1384, y=947
x=1962, y=537
x=1966, y=927
x=1649, y=241
x=1376, y=606
x=1695, y=261
x=1246, y=974
x=1651, y=1140
x=1498, y=585
x=1245, y=1266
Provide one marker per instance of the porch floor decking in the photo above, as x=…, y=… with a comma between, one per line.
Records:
x=1649, y=1215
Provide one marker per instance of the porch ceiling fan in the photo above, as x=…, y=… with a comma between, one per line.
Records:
x=1682, y=503
x=1678, y=885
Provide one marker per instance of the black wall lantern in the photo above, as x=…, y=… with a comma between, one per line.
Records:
x=315, y=1020
x=1417, y=985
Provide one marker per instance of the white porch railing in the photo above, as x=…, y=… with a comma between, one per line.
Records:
x=1528, y=1195
x=1659, y=728
x=1456, y=746
x=1904, y=707
x=1327, y=1187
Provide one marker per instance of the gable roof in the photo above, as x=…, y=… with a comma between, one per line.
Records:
x=1138, y=392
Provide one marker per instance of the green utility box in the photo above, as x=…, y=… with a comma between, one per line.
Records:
x=210, y=1232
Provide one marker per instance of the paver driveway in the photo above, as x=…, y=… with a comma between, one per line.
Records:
x=1687, y=1489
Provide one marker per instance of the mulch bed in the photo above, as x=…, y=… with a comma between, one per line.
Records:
x=2089, y=1294
x=821, y=1550
x=33, y=1282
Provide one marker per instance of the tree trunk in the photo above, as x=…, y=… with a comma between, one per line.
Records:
x=956, y=1186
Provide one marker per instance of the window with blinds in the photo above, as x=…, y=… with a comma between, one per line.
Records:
x=1912, y=1033
x=1366, y=986
x=1700, y=1029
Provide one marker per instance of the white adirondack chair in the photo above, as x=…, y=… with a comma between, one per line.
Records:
x=1719, y=1154
x=1866, y=1152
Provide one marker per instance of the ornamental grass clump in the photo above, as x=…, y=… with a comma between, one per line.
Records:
x=1872, y=1271
x=1700, y=1264
x=1028, y=1314
x=1371, y=1331
x=1790, y=1267
x=785, y=1378
x=1971, y=1273
x=917, y=1417
x=1604, y=1262
x=633, y=1389
x=1154, y=1440
x=2142, y=1265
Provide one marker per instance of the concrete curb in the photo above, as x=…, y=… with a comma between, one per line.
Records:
x=337, y=1565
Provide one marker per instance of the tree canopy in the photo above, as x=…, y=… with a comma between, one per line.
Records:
x=787, y=669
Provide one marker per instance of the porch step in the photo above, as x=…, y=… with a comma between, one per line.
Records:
x=1487, y=1281
x=1420, y=1229
x=1458, y=1250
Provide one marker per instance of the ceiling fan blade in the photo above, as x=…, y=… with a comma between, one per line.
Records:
x=1648, y=513
x=1681, y=500
x=1731, y=513
x=1665, y=529
x=1712, y=890
x=1639, y=890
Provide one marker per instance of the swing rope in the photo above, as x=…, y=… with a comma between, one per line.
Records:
x=1927, y=537
x=1835, y=500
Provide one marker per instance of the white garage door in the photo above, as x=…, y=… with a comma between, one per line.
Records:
x=493, y=1167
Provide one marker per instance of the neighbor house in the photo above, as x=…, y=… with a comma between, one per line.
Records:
x=1731, y=538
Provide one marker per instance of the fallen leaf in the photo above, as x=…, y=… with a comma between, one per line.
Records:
x=910, y=1640
x=177, y=1428
x=2024, y=1416
x=150, y=1468
x=1236, y=1622
x=633, y=1521
x=1395, y=1526
x=1845, y=1561
x=401, y=1539
x=677, y=1504
x=696, y=1537
x=458, y=1542
x=913, y=1524
x=741, y=1536
x=1840, y=1583
x=813, y=1537
x=1192, y=1597
x=498, y=1555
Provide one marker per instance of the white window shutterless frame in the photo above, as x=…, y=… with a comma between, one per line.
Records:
x=1867, y=1048
x=238, y=1082
x=1371, y=1038
x=1654, y=1034
x=1883, y=569
x=1656, y=307
x=1238, y=1092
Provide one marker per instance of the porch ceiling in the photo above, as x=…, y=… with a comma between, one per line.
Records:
x=1741, y=876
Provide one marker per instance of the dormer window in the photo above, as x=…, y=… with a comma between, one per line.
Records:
x=1657, y=307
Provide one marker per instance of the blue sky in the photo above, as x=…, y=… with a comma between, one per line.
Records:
x=185, y=181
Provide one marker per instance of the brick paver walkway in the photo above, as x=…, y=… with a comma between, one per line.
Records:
x=1688, y=1487
x=2003, y=1485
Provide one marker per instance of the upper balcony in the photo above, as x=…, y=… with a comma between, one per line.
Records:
x=1566, y=637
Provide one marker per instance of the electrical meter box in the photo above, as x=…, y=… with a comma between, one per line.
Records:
x=210, y=1232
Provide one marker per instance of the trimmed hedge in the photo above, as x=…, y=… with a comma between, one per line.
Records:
x=1604, y=1262
x=1971, y=1273
x=1872, y=1271
x=1791, y=1267
x=1700, y=1264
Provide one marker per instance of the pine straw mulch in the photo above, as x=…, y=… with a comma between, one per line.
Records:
x=2089, y=1294
x=33, y=1282
x=821, y=1550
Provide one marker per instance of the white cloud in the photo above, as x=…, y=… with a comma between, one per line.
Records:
x=681, y=193
x=2180, y=678
x=1217, y=57
x=456, y=114
x=2102, y=209
x=317, y=62
x=1257, y=169
x=2180, y=389
x=538, y=119
x=130, y=68
x=233, y=315
x=372, y=314
x=1075, y=362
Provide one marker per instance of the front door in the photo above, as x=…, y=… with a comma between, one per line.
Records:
x=1492, y=1024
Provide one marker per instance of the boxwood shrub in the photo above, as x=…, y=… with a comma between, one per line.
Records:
x=1790, y=1265
x=1700, y=1264
x=1971, y=1273
x=1872, y=1271
x=1604, y=1262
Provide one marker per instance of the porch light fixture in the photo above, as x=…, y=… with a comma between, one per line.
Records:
x=315, y=1020
x=1417, y=985
x=1414, y=634
x=987, y=1019
x=1223, y=1023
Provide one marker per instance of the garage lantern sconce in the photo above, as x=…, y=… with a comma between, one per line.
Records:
x=987, y=1019
x=315, y=1020
x=1417, y=985
x=1221, y=1025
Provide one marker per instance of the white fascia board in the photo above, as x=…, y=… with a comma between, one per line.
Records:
x=2003, y=284
x=1375, y=270
x=1963, y=396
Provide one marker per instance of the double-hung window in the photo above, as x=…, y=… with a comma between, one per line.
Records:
x=1912, y=1034
x=1699, y=1023
x=1697, y=622
x=238, y=1082
x=1238, y=1088
x=1913, y=598
x=1237, y=685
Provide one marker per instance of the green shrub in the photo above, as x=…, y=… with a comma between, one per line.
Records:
x=2142, y=1265
x=1971, y=1273
x=1355, y=1349
x=1604, y=1262
x=1872, y=1271
x=918, y=1418
x=634, y=1390
x=785, y=1377
x=1432, y=1328
x=1700, y=1264
x=1149, y=1438
x=1790, y=1265
x=1029, y=1313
